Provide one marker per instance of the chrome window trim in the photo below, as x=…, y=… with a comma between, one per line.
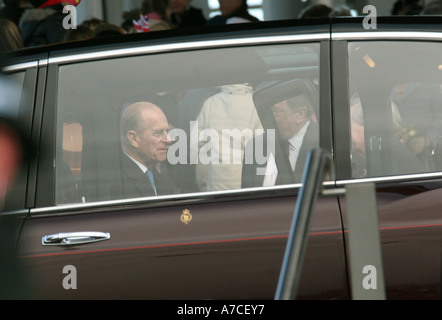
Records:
x=67, y=208
x=399, y=178
x=153, y=199
x=21, y=66
x=387, y=35
x=170, y=47
x=43, y=62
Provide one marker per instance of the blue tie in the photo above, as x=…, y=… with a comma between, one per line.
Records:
x=151, y=179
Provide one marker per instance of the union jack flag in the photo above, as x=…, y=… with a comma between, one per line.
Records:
x=141, y=25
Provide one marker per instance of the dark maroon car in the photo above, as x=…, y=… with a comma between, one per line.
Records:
x=372, y=99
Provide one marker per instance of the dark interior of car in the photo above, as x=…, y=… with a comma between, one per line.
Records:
x=94, y=96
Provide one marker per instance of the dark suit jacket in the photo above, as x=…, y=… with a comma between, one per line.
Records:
x=310, y=141
x=134, y=183
x=193, y=17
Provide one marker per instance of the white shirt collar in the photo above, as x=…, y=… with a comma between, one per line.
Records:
x=138, y=163
x=271, y=171
x=296, y=140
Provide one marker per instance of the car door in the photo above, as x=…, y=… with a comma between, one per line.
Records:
x=81, y=241
x=18, y=82
x=392, y=109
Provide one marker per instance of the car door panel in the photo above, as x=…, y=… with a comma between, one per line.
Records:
x=410, y=227
x=233, y=250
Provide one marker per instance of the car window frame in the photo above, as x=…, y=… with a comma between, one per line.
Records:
x=341, y=103
x=16, y=198
x=45, y=201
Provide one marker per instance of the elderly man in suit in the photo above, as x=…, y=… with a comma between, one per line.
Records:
x=299, y=134
x=145, y=141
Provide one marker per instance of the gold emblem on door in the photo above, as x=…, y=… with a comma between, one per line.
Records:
x=186, y=216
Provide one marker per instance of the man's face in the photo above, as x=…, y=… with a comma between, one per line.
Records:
x=153, y=140
x=289, y=122
x=178, y=6
x=228, y=6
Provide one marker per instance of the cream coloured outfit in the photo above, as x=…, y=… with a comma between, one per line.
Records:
x=230, y=110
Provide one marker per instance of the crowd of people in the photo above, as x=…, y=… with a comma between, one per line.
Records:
x=26, y=23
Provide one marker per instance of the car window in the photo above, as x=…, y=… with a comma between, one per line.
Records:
x=395, y=107
x=184, y=122
x=15, y=81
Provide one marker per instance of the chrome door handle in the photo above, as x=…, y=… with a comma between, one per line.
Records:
x=73, y=238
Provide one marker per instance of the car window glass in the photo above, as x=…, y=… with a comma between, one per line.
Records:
x=16, y=82
x=396, y=120
x=184, y=122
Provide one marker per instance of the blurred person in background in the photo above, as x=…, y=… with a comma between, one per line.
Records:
x=43, y=24
x=81, y=33
x=10, y=38
x=406, y=8
x=156, y=13
x=182, y=14
x=107, y=30
x=342, y=11
x=128, y=18
x=432, y=8
x=92, y=23
x=13, y=10
x=315, y=11
x=236, y=10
